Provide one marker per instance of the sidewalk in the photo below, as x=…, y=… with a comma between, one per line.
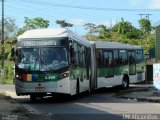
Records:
x=140, y=92
x=10, y=109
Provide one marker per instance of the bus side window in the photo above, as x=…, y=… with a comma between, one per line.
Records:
x=139, y=56
x=123, y=57
x=81, y=56
x=75, y=56
x=99, y=58
x=87, y=61
x=108, y=58
x=116, y=60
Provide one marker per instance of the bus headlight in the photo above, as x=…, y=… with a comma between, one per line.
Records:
x=18, y=76
x=63, y=75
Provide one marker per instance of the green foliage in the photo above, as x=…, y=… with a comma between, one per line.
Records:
x=35, y=23
x=115, y=28
x=21, y=31
x=124, y=27
x=127, y=30
x=134, y=34
x=63, y=23
x=8, y=72
x=145, y=26
x=104, y=32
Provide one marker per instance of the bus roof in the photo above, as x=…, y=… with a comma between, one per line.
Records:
x=115, y=45
x=51, y=33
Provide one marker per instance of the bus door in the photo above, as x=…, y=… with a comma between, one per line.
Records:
x=108, y=65
x=132, y=62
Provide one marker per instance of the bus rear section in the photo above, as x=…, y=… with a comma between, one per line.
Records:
x=119, y=64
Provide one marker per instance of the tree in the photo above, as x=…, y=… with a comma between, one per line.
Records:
x=104, y=32
x=124, y=27
x=134, y=34
x=10, y=28
x=63, y=23
x=35, y=23
x=115, y=28
x=146, y=27
x=91, y=27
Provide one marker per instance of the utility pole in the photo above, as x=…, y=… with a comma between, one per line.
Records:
x=2, y=42
x=146, y=16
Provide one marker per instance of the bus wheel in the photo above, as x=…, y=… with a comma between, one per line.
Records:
x=125, y=83
x=77, y=91
x=89, y=89
x=33, y=98
x=77, y=88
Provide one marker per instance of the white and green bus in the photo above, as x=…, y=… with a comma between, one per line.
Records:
x=50, y=61
x=118, y=64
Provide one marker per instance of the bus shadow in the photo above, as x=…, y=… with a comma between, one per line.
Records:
x=102, y=95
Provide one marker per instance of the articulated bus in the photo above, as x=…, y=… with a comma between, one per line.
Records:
x=51, y=61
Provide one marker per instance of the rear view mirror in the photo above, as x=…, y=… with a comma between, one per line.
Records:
x=70, y=49
x=12, y=57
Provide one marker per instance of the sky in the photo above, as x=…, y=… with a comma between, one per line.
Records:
x=79, y=12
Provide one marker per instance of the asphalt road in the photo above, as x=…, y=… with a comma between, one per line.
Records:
x=101, y=105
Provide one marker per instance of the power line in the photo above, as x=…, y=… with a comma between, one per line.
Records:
x=29, y=12
x=87, y=8
x=38, y=11
x=42, y=4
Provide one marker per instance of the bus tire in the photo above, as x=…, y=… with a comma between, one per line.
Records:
x=125, y=82
x=89, y=89
x=77, y=88
x=74, y=97
x=33, y=98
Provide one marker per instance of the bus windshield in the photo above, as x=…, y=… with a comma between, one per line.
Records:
x=42, y=59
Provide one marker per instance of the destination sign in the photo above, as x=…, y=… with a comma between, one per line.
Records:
x=30, y=43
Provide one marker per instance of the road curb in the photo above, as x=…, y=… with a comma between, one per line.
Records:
x=131, y=90
x=123, y=95
x=140, y=99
